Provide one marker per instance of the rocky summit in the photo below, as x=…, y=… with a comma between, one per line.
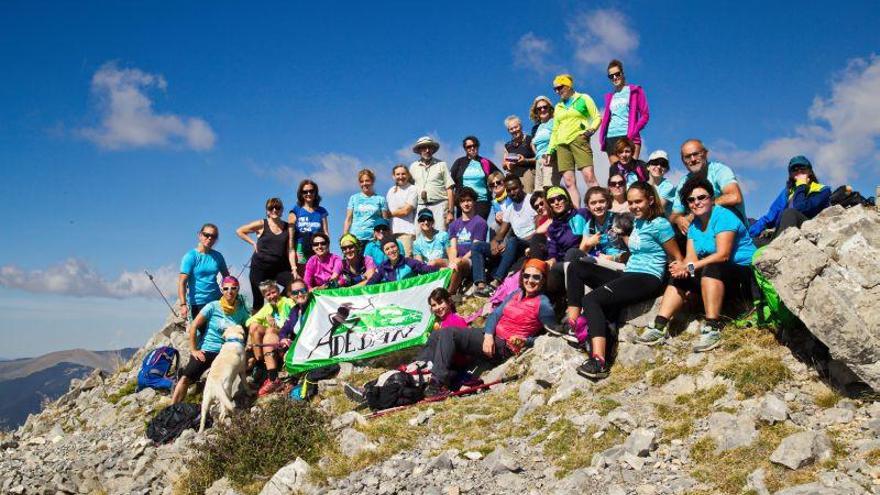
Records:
x=753, y=416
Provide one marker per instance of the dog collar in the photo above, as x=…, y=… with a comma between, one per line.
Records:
x=234, y=339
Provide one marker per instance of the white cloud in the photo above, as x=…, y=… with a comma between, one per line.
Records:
x=840, y=136
x=128, y=119
x=602, y=35
x=534, y=53
x=75, y=277
x=447, y=152
x=334, y=172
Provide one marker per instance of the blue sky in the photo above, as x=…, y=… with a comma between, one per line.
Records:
x=123, y=128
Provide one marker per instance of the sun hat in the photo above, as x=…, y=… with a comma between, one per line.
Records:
x=660, y=157
x=423, y=141
x=555, y=191
x=563, y=80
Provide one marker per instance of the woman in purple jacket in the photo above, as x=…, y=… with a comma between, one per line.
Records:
x=626, y=113
x=567, y=228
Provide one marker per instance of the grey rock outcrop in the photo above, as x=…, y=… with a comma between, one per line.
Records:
x=802, y=448
x=828, y=274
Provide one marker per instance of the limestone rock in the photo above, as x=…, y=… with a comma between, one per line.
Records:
x=828, y=274
x=800, y=449
x=641, y=442
x=772, y=409
x=501, y=461
x=353, y=442
x=729, y=431
x=289, y=479
x=632, y=355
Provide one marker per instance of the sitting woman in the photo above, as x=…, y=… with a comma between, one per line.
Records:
x=566, y=231
x=206, y=334
x=599, y=239
x=264, y=329
x=301, y=296
x=519, y=318
x=357, y=268
x=443, y=308
x=719, y=258
x=631, y=168
x=802, y=199
x=396, y=267
x=651, y=245
x=324, y=267
x=431, y=245
x=617, y=187
x=538, y=242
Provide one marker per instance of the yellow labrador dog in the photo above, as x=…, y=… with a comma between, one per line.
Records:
x=230, y=363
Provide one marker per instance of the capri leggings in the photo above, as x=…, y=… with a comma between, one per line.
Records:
x=626, y=288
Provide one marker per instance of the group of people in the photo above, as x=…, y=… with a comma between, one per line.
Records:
x=522, y=230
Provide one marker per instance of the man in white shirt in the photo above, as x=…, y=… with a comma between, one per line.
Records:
x=518, y=218
x=402, y=201
x=433, y=182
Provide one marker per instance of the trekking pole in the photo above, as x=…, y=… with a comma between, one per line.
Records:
x=161, y=294
x=459, y=393
x=242, y=269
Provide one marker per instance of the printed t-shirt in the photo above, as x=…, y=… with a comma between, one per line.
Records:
x=520, y=216
x=201, y=270
x=646, y=246
x=722, y=220
x=541, y=139
x=619, y=123
x=366, y=211
x=475, y=178
x=719, y=175
x=210, y=339
x=309, y=222
x=465, y=232
x=433, y=249
x=398, y=197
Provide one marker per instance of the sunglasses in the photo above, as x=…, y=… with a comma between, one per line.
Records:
x=617, y=183
x=534, y=277
x=209, y=236
x=614, y=75
x=470, y=146
x=350, y=247
x=319, y=244
x=274, y=208
x=299, y=292
x=556, y=199
x=308, y=191
x=558, y=88
x=496, y=183
x=694, y=199
x=695, y=154
x=230, y=288
x=425, y=219
x=542, y=108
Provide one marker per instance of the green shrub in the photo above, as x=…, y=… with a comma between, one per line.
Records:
x=755, y=375
x=126, y=389
x=255, y=445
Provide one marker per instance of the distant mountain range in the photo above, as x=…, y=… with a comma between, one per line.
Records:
x=26, y=383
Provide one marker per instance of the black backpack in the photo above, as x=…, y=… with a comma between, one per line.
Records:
x=393, y=388
x=846, y=197
x=171, y=421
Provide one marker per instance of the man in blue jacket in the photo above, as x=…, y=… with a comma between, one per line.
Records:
x=802, y=199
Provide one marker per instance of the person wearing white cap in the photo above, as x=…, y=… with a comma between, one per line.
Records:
x=658, y=166
x=433, y=182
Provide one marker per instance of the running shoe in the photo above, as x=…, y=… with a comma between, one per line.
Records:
x=269, y=386
x=354, y=394
x=563, y=330
x=653, y=336
x=710, y=338
x=594, y=368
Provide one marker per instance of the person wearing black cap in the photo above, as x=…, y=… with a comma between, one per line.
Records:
x=373, y=249
x=396, y=266
x=431, y=245
x=802, y=198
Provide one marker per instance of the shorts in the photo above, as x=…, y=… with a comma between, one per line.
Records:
x=574, y=155
x=195, y=368
x=610, y=143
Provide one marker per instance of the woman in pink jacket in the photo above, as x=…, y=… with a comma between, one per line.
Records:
x=323, y=268
x=625, y=115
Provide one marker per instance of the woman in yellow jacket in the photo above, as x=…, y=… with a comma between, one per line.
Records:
x=575, y=119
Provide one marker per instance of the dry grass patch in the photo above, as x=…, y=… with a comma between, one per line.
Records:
x=873, y=457
x=568, y=448
x=679, y=416
x=827, y=398
x=739, y=338
x=668, y=372
x=754, y=373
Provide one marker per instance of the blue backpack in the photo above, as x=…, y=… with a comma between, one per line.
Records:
x=158, y=369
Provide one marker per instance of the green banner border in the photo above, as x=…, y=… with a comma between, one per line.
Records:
x=445, y=275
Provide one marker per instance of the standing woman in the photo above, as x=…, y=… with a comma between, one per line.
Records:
x=626, y=113
x=306, y=218
x=197, y=284
x=541, y=114
x=365, y=208
x=652, y=245
x=402, y=201
x=473, y=170
x=575, y=119
x=272, y=256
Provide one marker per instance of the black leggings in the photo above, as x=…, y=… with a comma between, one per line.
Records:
x=624, y=289
x=444, y=343
x=581, y=273
x=279, y=273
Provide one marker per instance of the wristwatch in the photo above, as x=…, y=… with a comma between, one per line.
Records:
x=691, y=269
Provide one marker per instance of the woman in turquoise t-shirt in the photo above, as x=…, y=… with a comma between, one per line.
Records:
x=541, y=113
x=719, y=258
x=651, y=244
x=473, y=170
x=365, y=208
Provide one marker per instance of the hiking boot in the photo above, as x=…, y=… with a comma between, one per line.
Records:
x=484, y=291
x=354, y=394
x=653, y=336
x=258, y=373
x=436, y=391
x=269, y=386
x=710, y=338
x=417, y=368
x=594, y=368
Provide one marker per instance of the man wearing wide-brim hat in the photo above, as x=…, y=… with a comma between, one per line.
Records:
x=433, y=181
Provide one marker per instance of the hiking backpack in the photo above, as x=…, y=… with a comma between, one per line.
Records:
x=846, y=197
x=158, y=369
x=393, y=388
x=171, y=421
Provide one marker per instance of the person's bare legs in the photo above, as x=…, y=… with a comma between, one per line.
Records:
x=570, y=181
x=271, y=339
x=713, y=296
x=636, y=149
x=180, y=390
x=256, y=333
x=589, y=177
x=599, y=344
x=672, y=302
